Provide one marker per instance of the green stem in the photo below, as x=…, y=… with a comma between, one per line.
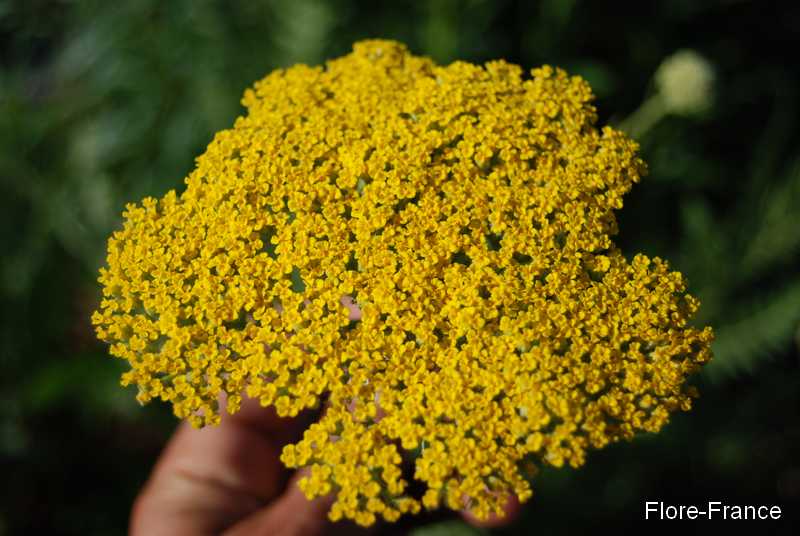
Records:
x=645, y=117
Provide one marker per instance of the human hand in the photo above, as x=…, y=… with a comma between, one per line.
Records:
x=228, y=479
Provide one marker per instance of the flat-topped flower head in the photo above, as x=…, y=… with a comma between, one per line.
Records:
x=468, y=212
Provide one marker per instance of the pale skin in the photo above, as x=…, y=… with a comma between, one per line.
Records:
x=229, y=480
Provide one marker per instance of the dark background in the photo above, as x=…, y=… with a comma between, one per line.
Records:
x=102, y=103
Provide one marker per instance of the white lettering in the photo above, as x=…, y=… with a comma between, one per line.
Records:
x=715, y=510
x=713, y=506
x=650, y=507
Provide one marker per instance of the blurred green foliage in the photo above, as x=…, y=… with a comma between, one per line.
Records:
x=102, y=103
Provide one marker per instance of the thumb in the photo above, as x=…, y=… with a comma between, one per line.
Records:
x=291, y=514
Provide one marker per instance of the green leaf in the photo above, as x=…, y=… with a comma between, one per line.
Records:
x=770, y=324
x=447, y=528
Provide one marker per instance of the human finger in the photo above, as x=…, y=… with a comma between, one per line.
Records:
x=207, y=479
x=511, y=511
x=292, y=514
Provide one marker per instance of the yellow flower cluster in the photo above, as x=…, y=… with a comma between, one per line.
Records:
x=467, y=210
